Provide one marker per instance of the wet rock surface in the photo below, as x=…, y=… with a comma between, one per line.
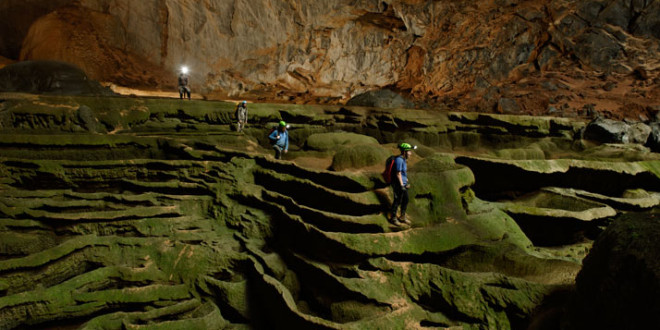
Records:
x=173, y=219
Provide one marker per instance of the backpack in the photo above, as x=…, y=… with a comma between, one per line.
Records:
x=389, y=166
x=271, y=132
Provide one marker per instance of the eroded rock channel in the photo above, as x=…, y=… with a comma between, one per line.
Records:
x=129, y=213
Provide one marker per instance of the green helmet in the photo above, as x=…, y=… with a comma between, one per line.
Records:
x=282, y=123
x=406, y=146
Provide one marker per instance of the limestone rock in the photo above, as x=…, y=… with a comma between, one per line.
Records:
x=551, y=217
x=16, y=17
x=618, y=284
x=639, y=133
x=508, y=106
x=653, y=141
x=175, y=221
x=88, y=119
x=334, y=141
x=358, y=155
x=383, y=98
x=48, y=77
x=436, y=52
x=611, y=131
x=606, y=130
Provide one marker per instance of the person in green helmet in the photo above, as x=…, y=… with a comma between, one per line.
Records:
x=400, y=184
x=279, y=139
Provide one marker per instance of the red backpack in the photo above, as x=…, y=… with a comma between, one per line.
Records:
x=389, y=166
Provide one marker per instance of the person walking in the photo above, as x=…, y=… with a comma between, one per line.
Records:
x=400, y=184
x=183, y=84
x=279, y=139
x=241, y=115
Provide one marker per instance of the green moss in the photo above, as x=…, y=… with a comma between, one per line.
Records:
x=119, y=319
x=359, y=155
x=490, y=223
x=333, y=141
x=443, y=237
x=435, y=192
x=523, y=153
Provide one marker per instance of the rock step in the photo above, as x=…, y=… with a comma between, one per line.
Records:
x=330, y=221
x=105, y=216
x=495, y=177
x=338, y=181
x=632, y=200
x=315, y=196
x=206, y=316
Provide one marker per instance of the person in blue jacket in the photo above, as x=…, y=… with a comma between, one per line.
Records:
x=400, y=184
x=279, y=138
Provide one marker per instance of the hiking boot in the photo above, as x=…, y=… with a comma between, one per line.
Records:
x=395, y=221
x=404, y=219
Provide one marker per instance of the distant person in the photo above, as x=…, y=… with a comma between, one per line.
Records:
x=241, y=115
x=400, y=184
x=279, y=138
x=184, y=89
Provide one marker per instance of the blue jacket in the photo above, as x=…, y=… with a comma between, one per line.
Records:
x=282, y=142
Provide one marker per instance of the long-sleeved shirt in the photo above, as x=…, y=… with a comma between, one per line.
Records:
x=282, y=141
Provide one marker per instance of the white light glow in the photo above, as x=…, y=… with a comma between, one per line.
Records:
x=184, y=69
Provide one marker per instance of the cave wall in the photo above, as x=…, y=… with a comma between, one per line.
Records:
x=433, y=50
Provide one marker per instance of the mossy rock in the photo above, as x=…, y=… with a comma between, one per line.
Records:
x=618, y=284
x=334, y=141
x=521, y=153
x=492, y=224
x=619, y=152
x=358, y=156
x=435, y=194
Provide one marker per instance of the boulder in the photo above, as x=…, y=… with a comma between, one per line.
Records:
x=639, y=133
x=88, y=120
x=383, y=98
x=612, y=131
x=48, y=77
x=605, y=130
x=619, y=283
x=653, y=141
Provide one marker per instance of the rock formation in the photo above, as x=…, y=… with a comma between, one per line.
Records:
x=126, y=212
x=172, y=219
x=619, y=282
x=535, y=57
x=48, y=77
